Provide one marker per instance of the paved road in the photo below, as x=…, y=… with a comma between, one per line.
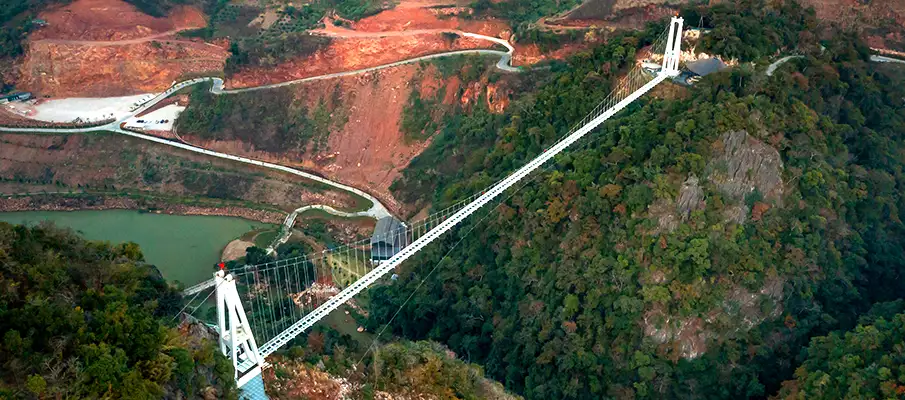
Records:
x=102, y=43
x=776, y=64
x=377, y=209
x=286, y=231
x=875, y=58
x=884, y=59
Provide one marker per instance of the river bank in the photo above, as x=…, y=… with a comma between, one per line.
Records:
x=184, y=248
x=97, y=202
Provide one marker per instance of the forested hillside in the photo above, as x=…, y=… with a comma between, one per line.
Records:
x=866, y=362
x=88, y=320
x=693, y=246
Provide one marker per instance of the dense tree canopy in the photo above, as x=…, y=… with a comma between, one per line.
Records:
x=85, y=320
x=575, y=288
x=867, y=362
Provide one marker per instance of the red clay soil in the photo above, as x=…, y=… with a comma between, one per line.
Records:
x=529, y=54
x=98, y=48
x=403, y=18
x=344, y=54
x=66, y=70
x=369, y=151
x=112, y=20
x=404, y=35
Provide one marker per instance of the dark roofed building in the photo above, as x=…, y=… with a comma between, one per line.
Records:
x=21, y=96
x=389, y=237
x=705, y=66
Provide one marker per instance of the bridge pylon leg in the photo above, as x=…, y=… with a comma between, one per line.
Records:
x=673, y=49
x=236, y=339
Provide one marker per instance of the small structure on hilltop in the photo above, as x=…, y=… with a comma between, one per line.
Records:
x=703, y=67
x=388, y=239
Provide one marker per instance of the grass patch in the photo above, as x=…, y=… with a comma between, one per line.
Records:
x=265, y=238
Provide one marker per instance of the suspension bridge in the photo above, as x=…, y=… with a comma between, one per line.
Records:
x=274, y=302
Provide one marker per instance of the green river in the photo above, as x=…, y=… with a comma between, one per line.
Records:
x=184, y=247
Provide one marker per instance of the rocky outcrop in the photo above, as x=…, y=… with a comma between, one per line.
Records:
x=747, y=172
x=690, y=198
x=740, y=311
x=669, y=214
x=744, y=164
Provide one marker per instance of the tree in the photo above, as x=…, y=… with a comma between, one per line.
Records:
x=84, y=320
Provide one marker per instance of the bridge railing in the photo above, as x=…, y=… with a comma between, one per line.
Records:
x=278, y=289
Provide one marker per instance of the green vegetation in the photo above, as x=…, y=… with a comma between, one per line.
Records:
x=521, y=13
x=572, y=298
x=548, y=40
x=358, y=9
x=427, y=368
x=286, y=38
x=272, y=120
x=156, y=8
x=16, y=18
x=271, y=51
x=418, y=121
x=758, y=33
x=867, y=362
x=90, y=320
x=422, y=117
x=264, y=239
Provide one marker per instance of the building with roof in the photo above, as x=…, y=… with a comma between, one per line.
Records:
x=705, y=66
x=21, y=96
x=388, y=239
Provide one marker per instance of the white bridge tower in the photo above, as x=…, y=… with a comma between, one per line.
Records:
x=236, y=338
x=673, y=47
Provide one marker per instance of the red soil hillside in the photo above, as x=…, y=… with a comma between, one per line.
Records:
x=98, y=48
x=403, y=34
x=369, y=150
x=408, y=16
x=67, y=70
x=112, y=20
x=346, y=54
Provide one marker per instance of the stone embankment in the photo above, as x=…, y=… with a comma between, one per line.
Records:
x=65, y=203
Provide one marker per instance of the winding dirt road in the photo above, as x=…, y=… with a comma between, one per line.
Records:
x=158, y=37
x=377, y=210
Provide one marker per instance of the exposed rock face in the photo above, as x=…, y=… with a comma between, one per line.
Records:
x=687, y=333
x=741, y=165
x=745, y=164
x=669, y=214
x=741, y=310
x=74, y=70
x=690, y=197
